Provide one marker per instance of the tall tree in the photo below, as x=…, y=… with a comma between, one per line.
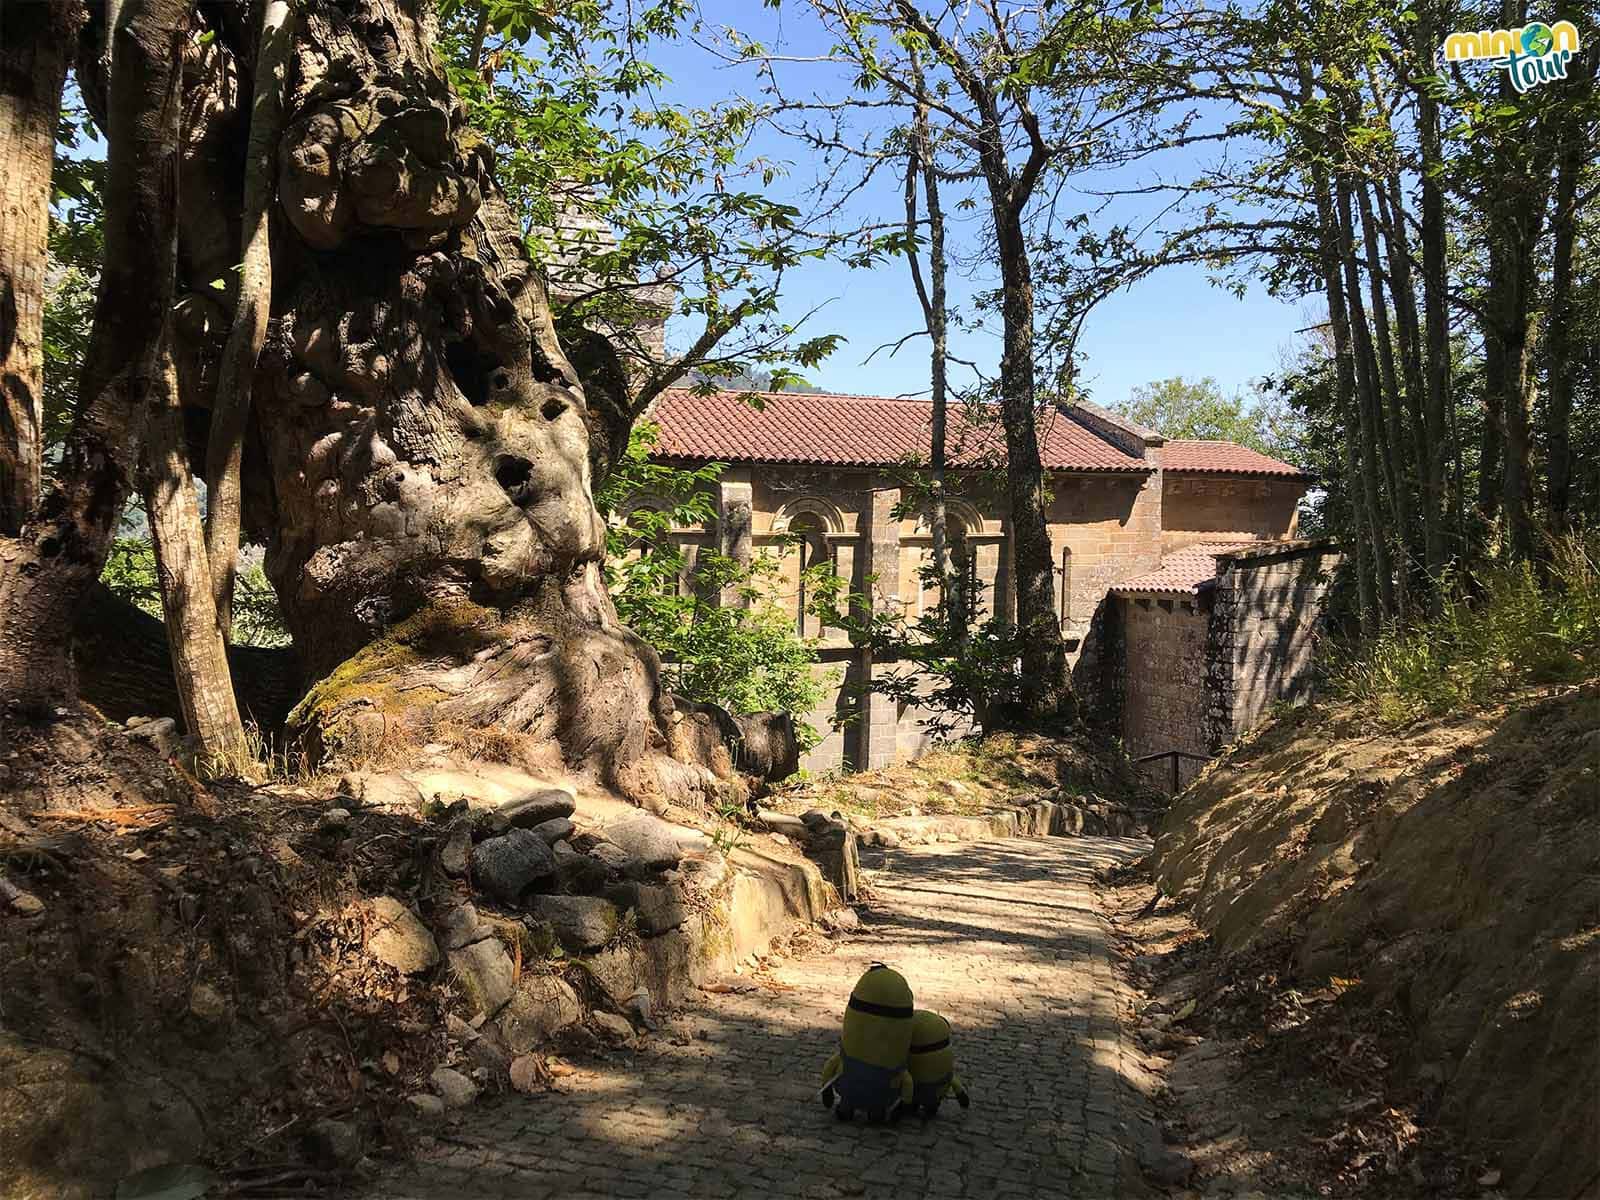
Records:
x=993, y=84
x=1576, y=158
x=922, y=162
x=36, y=43
x=48, y=566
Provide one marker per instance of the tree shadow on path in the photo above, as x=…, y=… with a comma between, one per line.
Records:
x=1003, y=938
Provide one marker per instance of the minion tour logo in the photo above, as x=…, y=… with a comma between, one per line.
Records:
x=1533, y=54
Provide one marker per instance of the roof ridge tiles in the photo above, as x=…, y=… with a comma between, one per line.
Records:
x=817, y=428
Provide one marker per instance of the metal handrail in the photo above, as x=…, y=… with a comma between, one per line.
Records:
x=1175, y=756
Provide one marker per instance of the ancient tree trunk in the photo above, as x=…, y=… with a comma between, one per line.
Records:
x=417, y=451
x=36, y=41
x=46, y=569
x=225, y=450
x=199, y=652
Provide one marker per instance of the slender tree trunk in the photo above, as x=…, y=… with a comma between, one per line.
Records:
x=36, y=43
x=1367, y=403
x=225, y=451
x=1397, y=249
x=922, y=161
x=46, y=569
x=1491, y=441
x=1509, y=378
x=480, y=32
x=1046, y=690
x=1394, y=419
x=1328, y=243
x=1558, y=342
x=1515, y=219
x=1436, y=301
x=198, y=650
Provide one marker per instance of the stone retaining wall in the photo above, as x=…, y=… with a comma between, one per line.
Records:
x=553, y=909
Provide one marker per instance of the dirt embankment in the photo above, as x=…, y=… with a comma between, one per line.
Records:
x=1444, y=877
x=258, y=985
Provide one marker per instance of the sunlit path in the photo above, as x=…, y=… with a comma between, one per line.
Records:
x=1003, y=937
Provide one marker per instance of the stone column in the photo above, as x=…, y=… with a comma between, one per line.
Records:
x=880, y=720
x=735, y=509
x=844, y=566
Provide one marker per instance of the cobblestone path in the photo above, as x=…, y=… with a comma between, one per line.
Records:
x=1002, y=937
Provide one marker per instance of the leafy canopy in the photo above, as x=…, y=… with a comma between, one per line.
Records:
x=1199, y=408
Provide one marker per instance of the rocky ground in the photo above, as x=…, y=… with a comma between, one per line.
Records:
x=1007, y=938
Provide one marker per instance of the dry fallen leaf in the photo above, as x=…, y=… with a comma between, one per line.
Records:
x=1489, y=1178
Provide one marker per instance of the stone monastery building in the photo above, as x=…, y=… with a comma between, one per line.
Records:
x=1186, y=603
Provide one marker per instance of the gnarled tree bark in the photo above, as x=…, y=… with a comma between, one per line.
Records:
x=417, y=455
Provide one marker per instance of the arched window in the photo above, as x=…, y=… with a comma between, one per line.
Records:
x=960, y=520
x=806, y=522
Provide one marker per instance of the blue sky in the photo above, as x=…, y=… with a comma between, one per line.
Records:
x=1175, y=323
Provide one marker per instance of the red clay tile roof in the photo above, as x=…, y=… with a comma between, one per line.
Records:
x=1222, y=458
x=855, y=431
x=1183, y=571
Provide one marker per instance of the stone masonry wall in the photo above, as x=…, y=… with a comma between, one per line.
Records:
x=1266, y=620
x=1164, y=694
x=1211, y=509
x=1104, y=528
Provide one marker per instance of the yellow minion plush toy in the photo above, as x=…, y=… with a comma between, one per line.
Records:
x=868, y=1072
x=933, y=1064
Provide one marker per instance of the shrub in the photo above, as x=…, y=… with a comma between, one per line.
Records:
x=1504, y=627
x=959, y=672
x=744, y=658
x=130, y=573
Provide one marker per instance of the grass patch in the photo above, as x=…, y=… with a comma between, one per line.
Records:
x=1506, y=627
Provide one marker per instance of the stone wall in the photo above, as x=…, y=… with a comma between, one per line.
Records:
x=1194, y=673
x=1208, y=508
x=1164, y=697
x=1104, y=528
x=1267, y=615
